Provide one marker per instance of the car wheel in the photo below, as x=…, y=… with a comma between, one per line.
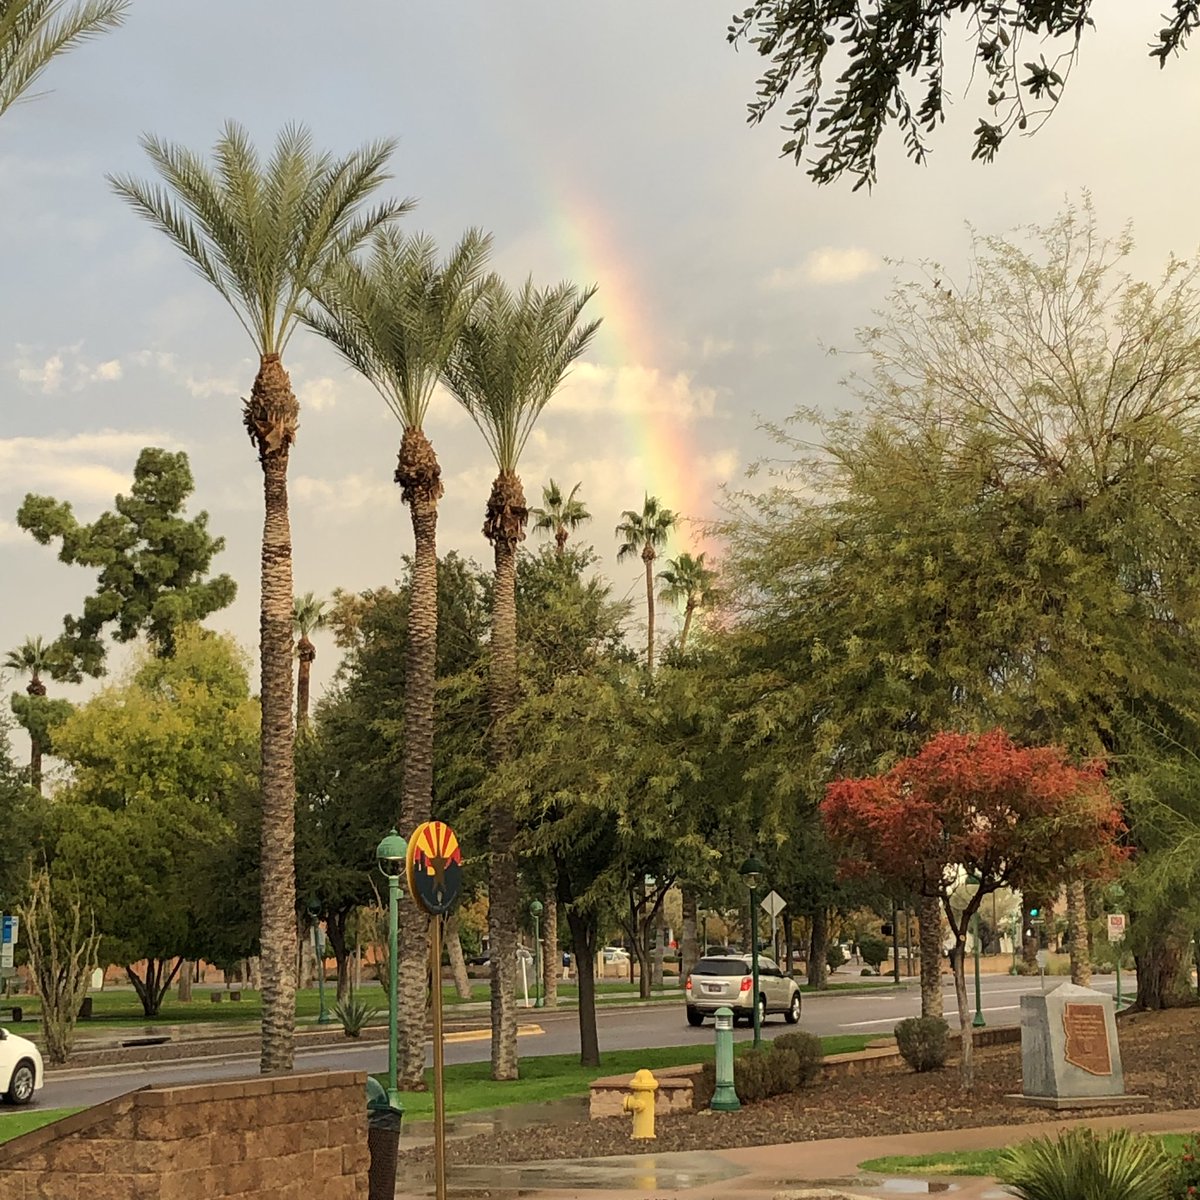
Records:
x=792, y=1016
x=20, y=1085
x=695, y=1017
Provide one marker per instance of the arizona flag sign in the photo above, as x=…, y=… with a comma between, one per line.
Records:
x=434, y=867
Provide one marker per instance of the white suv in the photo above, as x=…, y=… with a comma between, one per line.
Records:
x=726, y=981
x=21, y=1072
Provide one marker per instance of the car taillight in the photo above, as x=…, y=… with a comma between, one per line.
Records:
x=687, y=987
x=747, y=983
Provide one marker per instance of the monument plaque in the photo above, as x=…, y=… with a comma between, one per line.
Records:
x=1087, y=1038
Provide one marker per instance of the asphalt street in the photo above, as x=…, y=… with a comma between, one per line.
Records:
x=556, y=1032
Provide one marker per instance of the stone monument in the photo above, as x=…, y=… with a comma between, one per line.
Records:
x=1070, y=1057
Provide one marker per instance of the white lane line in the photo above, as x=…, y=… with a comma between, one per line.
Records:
x=897, y=1020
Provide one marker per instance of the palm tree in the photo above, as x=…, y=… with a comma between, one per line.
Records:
x=32, y=656
x=35, y=32
x=689, y=582
x=262, y=234
x=396, y=319
x=512, y=356
x=645, y=533
x=558, y=516
x=308, y=615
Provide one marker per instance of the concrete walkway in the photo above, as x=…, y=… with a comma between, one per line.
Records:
x=824, y=1169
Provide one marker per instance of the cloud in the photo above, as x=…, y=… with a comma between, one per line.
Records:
x=198, y=385
x=828, y=264
x=47, y=377
x=595, y=390
x=108, y=371
x=318, y=394
x=348, y=494
x=64, y=368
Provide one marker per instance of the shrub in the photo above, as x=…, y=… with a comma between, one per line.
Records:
x=923, y=1042
x=1187, y=1171
x=354, y=1015
x=752, y=1076
x=874, y=951
x=1121, y=1166
x=834, y=957
x=705, y=1086
x=808, y=1056
x=868, y=971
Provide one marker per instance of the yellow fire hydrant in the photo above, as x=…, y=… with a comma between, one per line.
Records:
x=641, y=1104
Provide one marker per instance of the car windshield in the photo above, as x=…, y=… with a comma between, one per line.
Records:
x=720, y=966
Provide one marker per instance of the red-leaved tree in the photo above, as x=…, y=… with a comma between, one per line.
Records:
x=1011, y=816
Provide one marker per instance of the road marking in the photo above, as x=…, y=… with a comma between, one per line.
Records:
x=897, y=1020
x=482, y=1035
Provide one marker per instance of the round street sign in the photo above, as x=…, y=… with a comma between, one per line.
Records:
x=434, y=867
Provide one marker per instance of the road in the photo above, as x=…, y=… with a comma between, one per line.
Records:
x=557, y=1033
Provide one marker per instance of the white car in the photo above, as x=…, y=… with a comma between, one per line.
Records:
x=21, y=1071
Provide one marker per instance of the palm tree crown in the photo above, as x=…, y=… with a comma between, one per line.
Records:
x=31, y=657
x=263, y=234
x=309, y=613
x=35, y=32
x=558, y=515
x=512, y=356
x=646, y=532
x=687, y=581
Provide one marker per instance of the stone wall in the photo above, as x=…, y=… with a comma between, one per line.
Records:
x=282, y=1137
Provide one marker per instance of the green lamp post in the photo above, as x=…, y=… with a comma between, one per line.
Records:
x=751, y=872
x=535, y=911
x=391, y=854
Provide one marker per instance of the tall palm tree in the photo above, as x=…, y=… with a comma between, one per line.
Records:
x=396, y=318
x=32, y=657
x=689, y=582
x=262, y=233
x=308, y=615
x=512, y=356
x=645, y=533
x=560, y=516
x=35, y=32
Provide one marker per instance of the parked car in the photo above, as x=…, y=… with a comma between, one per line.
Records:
x=615, y=956
x=21, y=1072
x=727, y=981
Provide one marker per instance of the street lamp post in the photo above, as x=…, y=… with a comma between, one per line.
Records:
x=390, y=854
x=751, y=871
x=535, y=911
x=314, y=911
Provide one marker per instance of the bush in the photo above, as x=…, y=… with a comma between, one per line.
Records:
x=807, y=1054
x=1187, y=1171
x=834, y=957
x=923, y=1042
x=354, y=1015
x=752, y=1076
x=868, y=971
x=705, y=1086
x=1121, y=1166
x=874, y=951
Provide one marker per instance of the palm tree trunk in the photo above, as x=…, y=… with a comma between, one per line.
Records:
x=271, y=417
x=419, y=477
x=306, y=652
x=929, y=932
x=504, y=528
x=550, y=954
x=458, y=964
x=648, y=559
x=35, y=687
x=688, y=613
x=1077, y=922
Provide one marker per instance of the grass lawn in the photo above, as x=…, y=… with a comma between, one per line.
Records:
x=555, y=1076
x=970, y=1162
x=25, y=1120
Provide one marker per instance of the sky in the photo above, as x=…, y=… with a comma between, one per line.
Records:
x=601, y=143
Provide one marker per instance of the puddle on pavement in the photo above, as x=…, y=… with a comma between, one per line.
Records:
x=517, y=1116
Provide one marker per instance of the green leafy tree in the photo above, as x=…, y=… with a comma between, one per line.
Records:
x=643, y=534
x=560, y=515
x=21, y=814
x=512, y=356
x=35, y=711
x=263, y=234
x=308, y=615
x=152, y=563
x=689, y=582
x=847, y=70
x=395, y=318
x=35, y=32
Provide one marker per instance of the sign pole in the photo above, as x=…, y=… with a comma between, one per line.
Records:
x=439, y=1090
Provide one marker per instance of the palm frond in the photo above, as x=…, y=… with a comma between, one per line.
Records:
x=649, y=528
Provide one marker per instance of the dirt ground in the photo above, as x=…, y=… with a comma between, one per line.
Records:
x=1160, y=1054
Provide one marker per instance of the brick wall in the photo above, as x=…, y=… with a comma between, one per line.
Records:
x=282, y=1137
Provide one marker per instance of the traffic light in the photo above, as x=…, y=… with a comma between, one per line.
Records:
x=1034, y=913
x=886, y=930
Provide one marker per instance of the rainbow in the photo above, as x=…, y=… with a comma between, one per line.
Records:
x=665, y=446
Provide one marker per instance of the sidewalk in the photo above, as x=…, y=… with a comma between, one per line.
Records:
x=798, y=1169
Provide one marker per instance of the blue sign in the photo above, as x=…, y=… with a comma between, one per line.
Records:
x=8, y=931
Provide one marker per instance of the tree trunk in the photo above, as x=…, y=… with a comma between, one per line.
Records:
x=966, y=1061
x=788, y=945
x=929, y=933
x=1162, y=968
x=660, y=951
x=154, y=986
x=271, y=415
x=648, y=557
x=306, y=653
x=35, y=687
x=1077, y=922
x=689, y=953
x=504, y=528
x=185, y=982
x=689, y=612
x=335, y=929
x=818, y=964
x=458, y=964
x=550, y=954
x=419, y=476
x=583, y=947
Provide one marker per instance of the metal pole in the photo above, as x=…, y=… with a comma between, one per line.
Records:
x=393, y=988
x=908, y=958
x=439, y=1088
x=895, y=943
x=1118, y=977
x=979, y=1022
x=754, y=965
x=537, y=965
